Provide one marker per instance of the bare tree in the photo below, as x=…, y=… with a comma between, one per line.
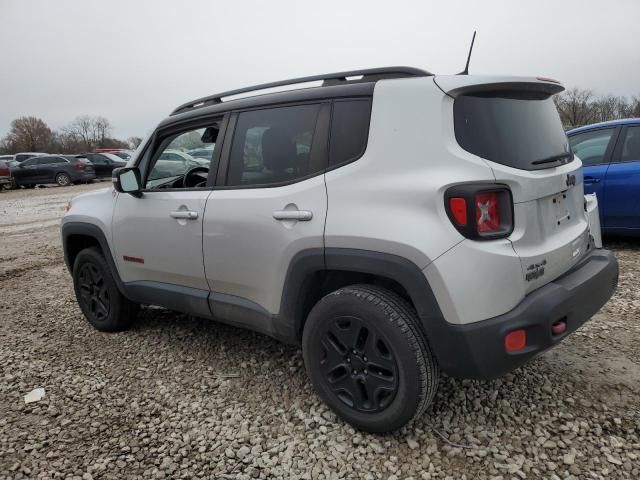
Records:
x=90, y=132
x=134, y=142
x=634, y=107
x=576, y=107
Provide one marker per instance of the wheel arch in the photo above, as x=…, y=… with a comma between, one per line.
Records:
x=316, y=272
x=76, y=236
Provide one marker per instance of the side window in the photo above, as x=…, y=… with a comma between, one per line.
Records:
x=349, y=130
x=590, y=147
x=631, y=146
x=172, y=161
x=97, y=159
x=44, y=160
x=30, y=161
x=273, y=145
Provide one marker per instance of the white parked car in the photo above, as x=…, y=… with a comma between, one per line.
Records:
x=393, y=223
x=172, y=163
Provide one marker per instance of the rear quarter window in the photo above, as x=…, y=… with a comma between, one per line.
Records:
x=349, y=130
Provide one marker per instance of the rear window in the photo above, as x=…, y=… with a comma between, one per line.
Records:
x=517, y=129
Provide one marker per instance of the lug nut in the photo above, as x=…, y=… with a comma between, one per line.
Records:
x=348, y=360
x=364, y=371
x=355, y=372
x=364, y=359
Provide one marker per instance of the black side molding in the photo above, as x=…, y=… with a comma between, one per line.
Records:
x=192, y=301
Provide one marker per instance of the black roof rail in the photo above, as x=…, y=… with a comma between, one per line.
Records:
x=368, y=75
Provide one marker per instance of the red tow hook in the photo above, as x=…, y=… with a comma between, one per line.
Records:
x=559, y=327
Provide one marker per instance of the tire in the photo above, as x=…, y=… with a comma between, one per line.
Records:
x=97, y=293
x=63, y=179
x=382, y=328
x=31, y=185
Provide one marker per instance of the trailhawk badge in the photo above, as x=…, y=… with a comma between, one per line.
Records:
x=535, y=271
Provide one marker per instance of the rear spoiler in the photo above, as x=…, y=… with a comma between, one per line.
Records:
x=454, y=85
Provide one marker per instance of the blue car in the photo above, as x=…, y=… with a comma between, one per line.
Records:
x=610, y=154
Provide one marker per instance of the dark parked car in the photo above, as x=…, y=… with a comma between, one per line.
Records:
x=61, y=169
x=104, y=163
x=5, y=175
x=21, y=157
x=610, y=154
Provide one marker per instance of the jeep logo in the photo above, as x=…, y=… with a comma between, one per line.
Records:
x=571, y=180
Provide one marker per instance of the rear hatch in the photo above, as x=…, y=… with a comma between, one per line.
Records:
x=81, y=163
x=512, y=123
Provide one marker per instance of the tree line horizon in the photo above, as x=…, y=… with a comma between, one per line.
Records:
x=577, y=107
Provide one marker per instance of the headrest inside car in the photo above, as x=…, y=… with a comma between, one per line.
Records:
x=210, y=135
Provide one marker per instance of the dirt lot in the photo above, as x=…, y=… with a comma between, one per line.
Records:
x=178, y=397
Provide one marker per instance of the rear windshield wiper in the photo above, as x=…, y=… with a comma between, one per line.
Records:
x=553, y=158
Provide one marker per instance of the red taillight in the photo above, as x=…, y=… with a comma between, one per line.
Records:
x=458, y=208
x=487, y=212
x=79, y=165
x=480, y=211
x=515, y=341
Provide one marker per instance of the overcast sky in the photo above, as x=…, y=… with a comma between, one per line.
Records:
x=133, y=61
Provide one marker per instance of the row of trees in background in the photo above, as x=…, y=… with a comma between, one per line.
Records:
x=84, y=134
x=31, y=134
x=579, y=107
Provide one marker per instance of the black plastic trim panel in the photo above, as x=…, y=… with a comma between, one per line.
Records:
x=193, y=301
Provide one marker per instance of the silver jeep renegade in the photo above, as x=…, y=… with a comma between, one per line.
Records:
x=393, y=223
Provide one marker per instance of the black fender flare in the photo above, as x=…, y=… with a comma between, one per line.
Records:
x=93, y=231
x=396, y=268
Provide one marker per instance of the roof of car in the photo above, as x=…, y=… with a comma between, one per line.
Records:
x=334, y=85
x=370, y=75
x=610, y=123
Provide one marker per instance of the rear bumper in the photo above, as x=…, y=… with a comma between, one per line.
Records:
x=81, y=177
x=477, y=350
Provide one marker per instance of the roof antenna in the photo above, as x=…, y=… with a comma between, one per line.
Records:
x=466, y=67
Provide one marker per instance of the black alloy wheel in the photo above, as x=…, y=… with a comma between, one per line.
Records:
x=368, y=359
x=97, y=293
x=358, y=364
x=94, y=295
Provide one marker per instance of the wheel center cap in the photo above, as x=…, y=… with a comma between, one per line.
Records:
x=357, y=363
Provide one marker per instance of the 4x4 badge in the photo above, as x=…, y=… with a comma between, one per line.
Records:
x=571, y=180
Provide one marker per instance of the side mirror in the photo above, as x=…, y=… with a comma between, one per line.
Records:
x=127, y=180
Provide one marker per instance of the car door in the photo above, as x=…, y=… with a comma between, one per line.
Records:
x=48, y=167
x=158, y=235
x=269, y=204
x=594, y=148
x=28, y=172
x=622, y=182
x=100, y=164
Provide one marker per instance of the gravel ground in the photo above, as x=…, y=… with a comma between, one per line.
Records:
x=179, y=397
